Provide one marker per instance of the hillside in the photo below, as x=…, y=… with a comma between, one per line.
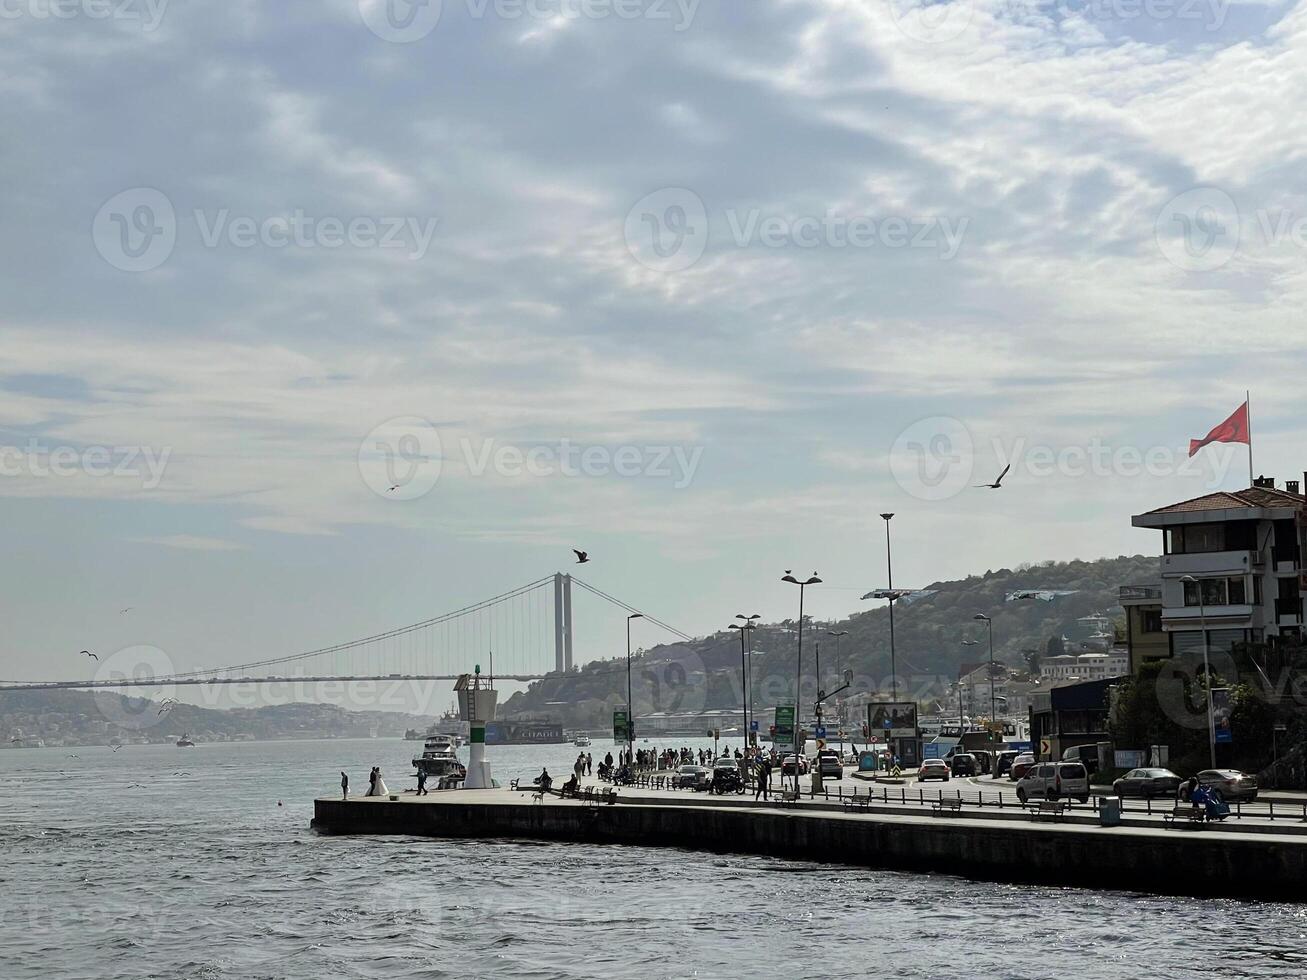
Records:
x=929, y=634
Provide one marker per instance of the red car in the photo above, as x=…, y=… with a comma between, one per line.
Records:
x=1021, y=765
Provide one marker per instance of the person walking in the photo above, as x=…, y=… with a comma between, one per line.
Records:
x=589, y=763
x=764, y=780
x=422, y=782
x=344, y=786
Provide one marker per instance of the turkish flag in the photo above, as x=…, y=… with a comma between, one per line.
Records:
x=1233, y=429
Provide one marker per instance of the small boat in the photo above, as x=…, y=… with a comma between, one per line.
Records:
x=581, y=741
x=439, y=759
x=185, y=742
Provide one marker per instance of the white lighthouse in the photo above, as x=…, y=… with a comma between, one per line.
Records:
x=476, y=706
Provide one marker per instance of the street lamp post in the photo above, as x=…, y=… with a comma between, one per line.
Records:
x=839, y=664
x=1207, y=670
x=889, y=574
x=630, y=702
x=993, y=713
x=746, y=627
x=798, y=675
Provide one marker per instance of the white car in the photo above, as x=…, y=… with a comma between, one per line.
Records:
x=1053, y=780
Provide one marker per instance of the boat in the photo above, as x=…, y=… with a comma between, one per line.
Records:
x=581, y=741
x=439, y=759
x=185, y=742
x=449, y=724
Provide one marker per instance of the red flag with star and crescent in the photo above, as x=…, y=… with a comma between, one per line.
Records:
x=1233, y=429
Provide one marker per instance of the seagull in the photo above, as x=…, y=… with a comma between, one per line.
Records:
x=115, y=748
x=581, y=556
x=91, y=655
x=393, y=489
x=124, y=612
x=166, y=707
x=997, y=484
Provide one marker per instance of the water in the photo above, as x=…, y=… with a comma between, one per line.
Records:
x=159, y=862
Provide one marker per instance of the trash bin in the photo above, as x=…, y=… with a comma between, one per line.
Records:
x=1109, y=811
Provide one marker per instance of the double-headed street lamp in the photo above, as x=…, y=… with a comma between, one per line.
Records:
x=989, y=624
x=889, y=575
x=1207, y=670
x=630, y=702
x=798, y=676
x=746, y=627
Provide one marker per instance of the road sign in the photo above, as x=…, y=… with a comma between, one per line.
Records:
x=819, y=731
x=1045, y=747
x=621, y=725
x=753, y=726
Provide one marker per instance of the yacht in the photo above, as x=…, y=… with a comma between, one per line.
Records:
x=581, y=741
x=439, y=759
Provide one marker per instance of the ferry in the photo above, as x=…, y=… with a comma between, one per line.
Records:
x=185, y=742
x=449, y=725
x=438, y=759
x=581, y=741
x=537, y=732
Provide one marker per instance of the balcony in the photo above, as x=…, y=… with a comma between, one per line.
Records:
x=1288, y=612
x=1217, y=617
x=1209, y=563
x=1138, y=593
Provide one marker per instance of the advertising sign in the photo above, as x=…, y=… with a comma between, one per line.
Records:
x=784, y=737
x=1221, y=714
x=897, y=719
x=620, y=723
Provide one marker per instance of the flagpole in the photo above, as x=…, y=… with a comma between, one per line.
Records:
x=1248, y=411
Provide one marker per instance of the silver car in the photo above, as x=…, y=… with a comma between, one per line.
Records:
x=1147, y=783
x=1233, y=784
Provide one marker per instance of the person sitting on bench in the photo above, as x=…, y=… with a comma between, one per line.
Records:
x=571, y=786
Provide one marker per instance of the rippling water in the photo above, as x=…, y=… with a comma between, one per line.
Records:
x=169, y=863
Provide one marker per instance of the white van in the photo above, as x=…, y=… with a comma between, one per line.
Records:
x=1053, y=780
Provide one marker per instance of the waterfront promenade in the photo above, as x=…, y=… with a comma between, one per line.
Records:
x=1253, y=859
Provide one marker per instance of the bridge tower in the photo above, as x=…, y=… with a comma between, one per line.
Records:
x=562, y=622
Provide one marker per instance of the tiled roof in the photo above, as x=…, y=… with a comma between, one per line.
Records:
x=1231, y=499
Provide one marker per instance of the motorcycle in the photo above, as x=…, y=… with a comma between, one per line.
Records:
x=727, y=781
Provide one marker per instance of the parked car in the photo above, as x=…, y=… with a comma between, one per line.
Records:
x=963, y=764
x=1147, y=783
x=933, y=769
x=1020, y=764
x=1233, y=784
x=1003, y=762
x=787, y=765
x=1053, y=780
x=1085, y=754
x=692, y=777
x=828, y=764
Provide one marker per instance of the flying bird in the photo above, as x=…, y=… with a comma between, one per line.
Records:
x=581, y=556
x=115, y=748
x=393, y=489
x=124, y=612
x=997, y=484
x=91, y=655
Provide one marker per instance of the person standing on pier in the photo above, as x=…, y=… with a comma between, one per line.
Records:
x=764, y=780
x=344, y=786
x=422, y=783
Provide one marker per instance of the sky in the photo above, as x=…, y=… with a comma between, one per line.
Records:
x=321, y=318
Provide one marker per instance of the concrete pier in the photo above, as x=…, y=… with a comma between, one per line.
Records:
x=1203, y=862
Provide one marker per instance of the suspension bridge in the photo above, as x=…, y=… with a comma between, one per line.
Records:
x=521, y=635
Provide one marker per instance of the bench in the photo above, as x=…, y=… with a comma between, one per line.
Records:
x=789, y=796
x=1191, y=814
x=856, y=802
x=512, y=784
x=1048, y=810
x=605, y=796
x=943, y=806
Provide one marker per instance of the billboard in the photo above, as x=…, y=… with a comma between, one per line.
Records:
x=895, y=719
x=784, y=737
x=621, y=723
x=1221, y=714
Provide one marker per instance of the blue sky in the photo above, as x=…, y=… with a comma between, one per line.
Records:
x=756, y=258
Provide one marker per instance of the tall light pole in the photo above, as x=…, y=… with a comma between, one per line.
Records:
x=630, y=702
x=839, y=664
x=745, y=628
x=798, y=675
x=993, y=711
x=1207, y=670
x=889, y=573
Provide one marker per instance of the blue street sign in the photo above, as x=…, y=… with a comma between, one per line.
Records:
x=819, y=731
x=887, y=724
x=753, y=726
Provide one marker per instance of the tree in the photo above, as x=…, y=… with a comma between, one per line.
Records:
x=1055, y=647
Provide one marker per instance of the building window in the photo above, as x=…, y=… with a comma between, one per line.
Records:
x=1197, y=538
x=1216, y=592
x=1152, y=621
